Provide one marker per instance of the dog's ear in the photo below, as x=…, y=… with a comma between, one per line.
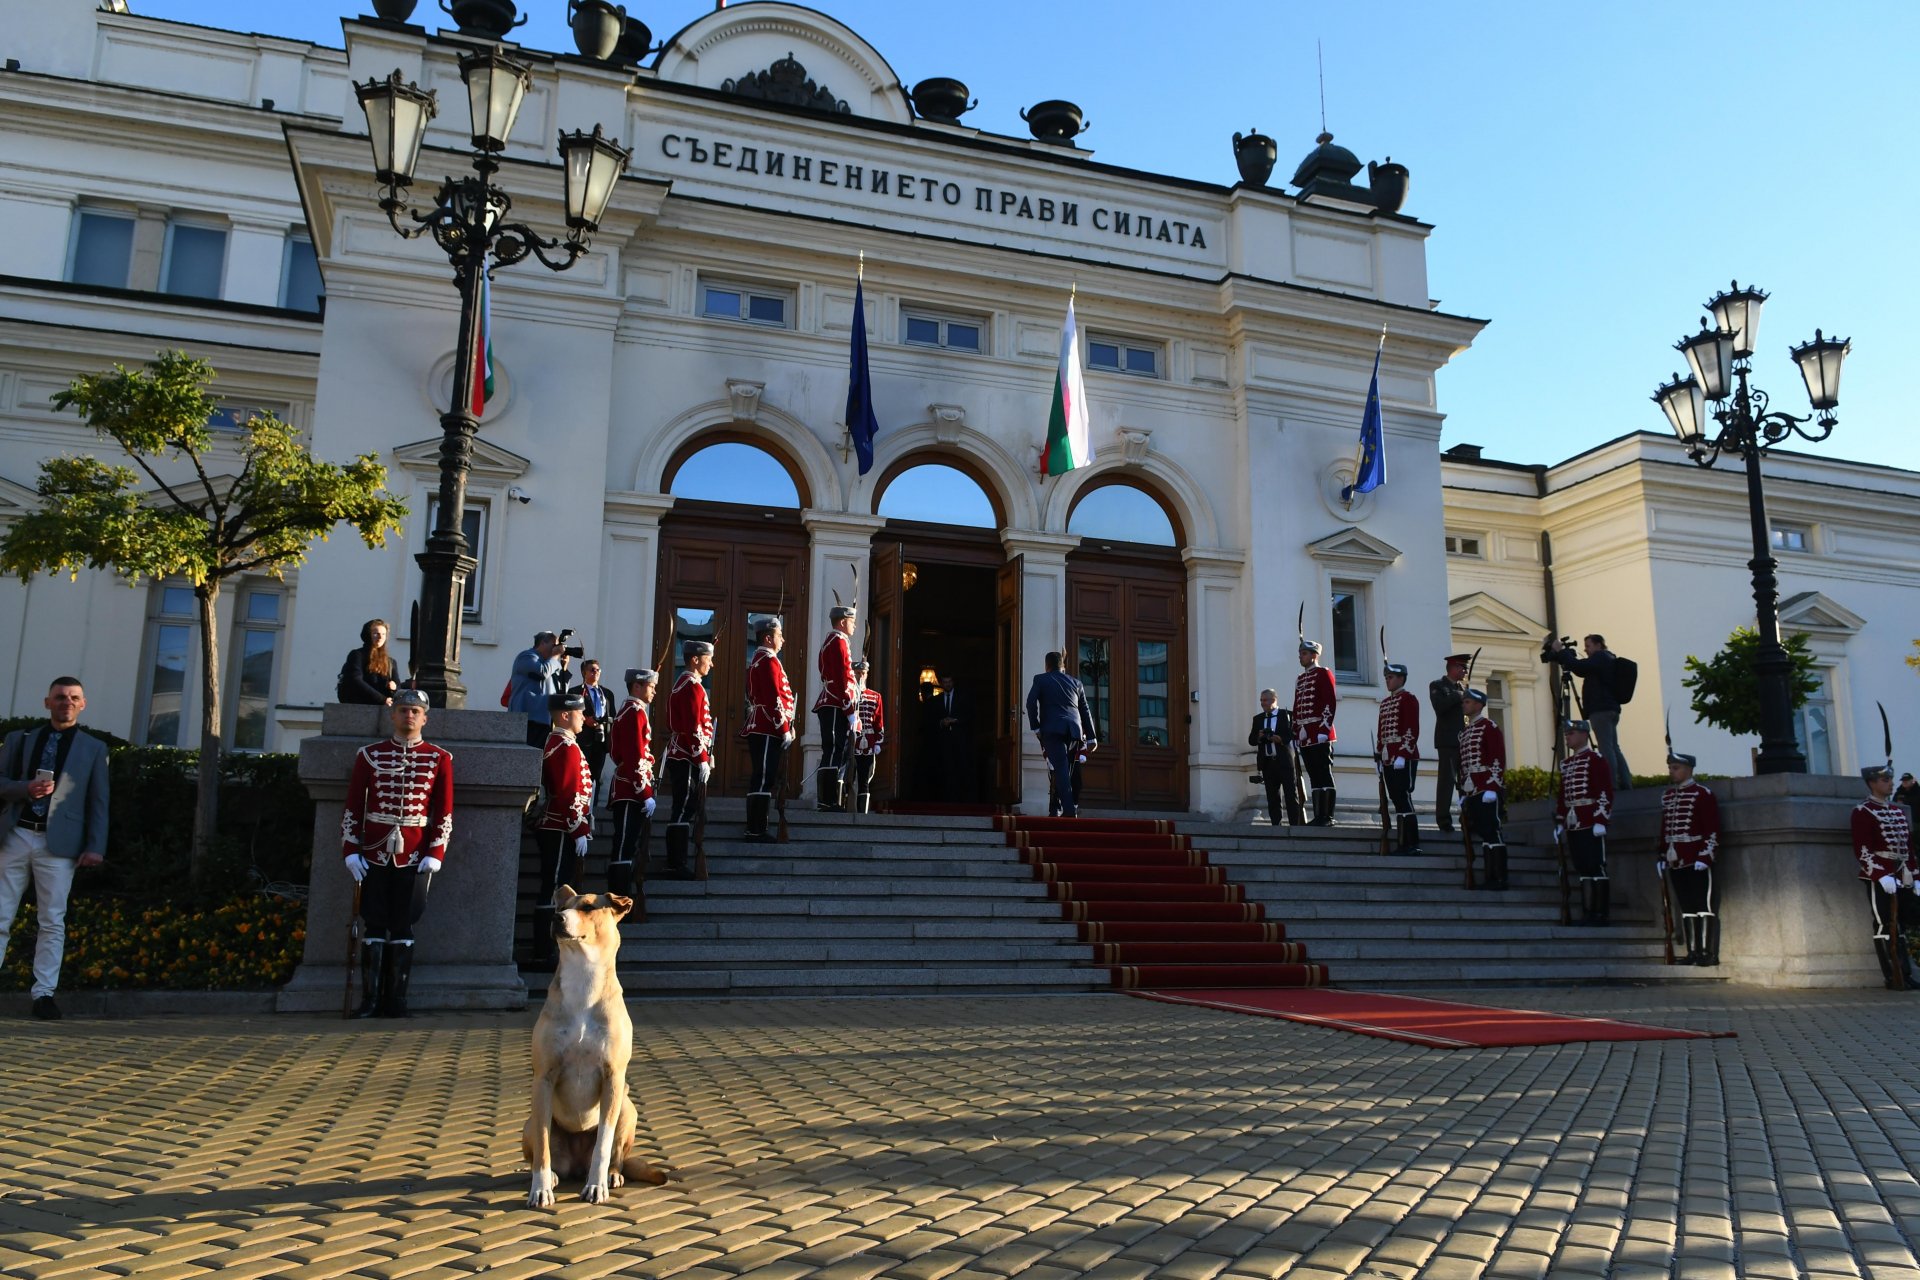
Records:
x=620, y=905
x=563, y=897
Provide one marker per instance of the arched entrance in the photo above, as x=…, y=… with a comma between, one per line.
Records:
x=1127, y=624
x=731, y=548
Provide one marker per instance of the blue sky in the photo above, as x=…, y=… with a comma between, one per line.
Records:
x=1593, y=173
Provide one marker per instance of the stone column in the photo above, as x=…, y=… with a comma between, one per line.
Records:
x=841, y=543
x=463, y=956
x=1043, y=628
x=1221, y=697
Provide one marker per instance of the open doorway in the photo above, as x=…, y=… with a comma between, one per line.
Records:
x=945, y=726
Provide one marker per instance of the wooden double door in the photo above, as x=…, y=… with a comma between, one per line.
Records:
x=1127, y=644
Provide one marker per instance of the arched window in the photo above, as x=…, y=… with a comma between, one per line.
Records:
x=732, y=471
x=1122, y=513
x=938, y=494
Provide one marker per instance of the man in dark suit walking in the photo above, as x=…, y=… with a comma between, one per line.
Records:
x=55, y=821
x=1058, y=714
x=1449, y=720
x=1272, y=742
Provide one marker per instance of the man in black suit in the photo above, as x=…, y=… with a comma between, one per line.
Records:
x=1449, y=720
x=953, y=735
x=1058, y=715
x=1272, y=742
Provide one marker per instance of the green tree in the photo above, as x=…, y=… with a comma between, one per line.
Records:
x=190, y=522
x=1913, y=659
x=1725, y=692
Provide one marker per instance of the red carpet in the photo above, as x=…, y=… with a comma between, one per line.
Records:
x=1438, y=1024
x=1156, y=911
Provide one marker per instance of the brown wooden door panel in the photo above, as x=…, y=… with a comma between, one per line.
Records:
x=883, y=648
x=1008, y=695
x=1128, y=637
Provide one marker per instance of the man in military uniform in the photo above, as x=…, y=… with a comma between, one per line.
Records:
x=394, y=830
x=1581, y=811
x=566, y=823
x=630, y=742
x=1689, y=845
x=1483, y=781
x=1398, y=753
x=1444, y=696
x=1272, y=741
x=689, y=753
x=1313, y=706
x=836, y=707
x=770, y=707
x=871, y=737
x=1883, y=841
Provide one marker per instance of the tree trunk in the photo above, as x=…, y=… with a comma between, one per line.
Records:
x=206, y=809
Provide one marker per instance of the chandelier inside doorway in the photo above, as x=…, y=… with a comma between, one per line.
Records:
x=909, y=575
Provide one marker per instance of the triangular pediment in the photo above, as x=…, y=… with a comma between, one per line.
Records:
x=16, y=499
x=1484, y=615
x=490, y=461
x=1354, y=546
x=1817, y=611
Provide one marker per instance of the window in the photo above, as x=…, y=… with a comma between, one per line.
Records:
x=924, y=329
x=748, y=305
x=169, y=655
x=1464, y=544
x=734, y=472
x=1150, y=692
x=938, y=495
x=256, y=647
x=1813, y=723
x=1349, y=631
x=1123, y=355
x=300, y=285
x=473, y=523
x=1122, y=513
x=1496, y=692
x=195, y=261
x=1096, y=677
x=1792, y=537
x=228, y=416
x=102, y=252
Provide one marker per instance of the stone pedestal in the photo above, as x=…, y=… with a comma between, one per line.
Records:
x=463, y=953
x=1792, y=909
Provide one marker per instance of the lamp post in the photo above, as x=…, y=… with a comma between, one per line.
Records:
x=468, y=222
x=1720, y=356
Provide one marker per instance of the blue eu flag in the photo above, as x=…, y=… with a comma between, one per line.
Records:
x=1371, y=472
x=861, y=424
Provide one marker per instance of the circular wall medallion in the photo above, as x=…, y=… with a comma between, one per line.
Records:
x=1336, y=476
x=438, y=389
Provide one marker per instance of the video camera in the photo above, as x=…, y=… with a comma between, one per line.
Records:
x=571, y=650
x=1550, y=651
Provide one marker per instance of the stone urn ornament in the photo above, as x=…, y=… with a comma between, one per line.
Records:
x=1256, y=155
x=598, y=26
x=636, y=42
x=1388, y=182
x=394, y=10
x=487, y=19
x=1055, y=120
x=943, y=99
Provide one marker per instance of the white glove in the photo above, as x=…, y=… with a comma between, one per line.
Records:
x=1490, y=797
x=1906, y=877
x=1600, y=829
x=1398, y=762
x=853, y=722
x=579, y=846
x=1659, y=867
x=1320, y=739
x=1889, y=883
x=647, y=807
x=356, y=867
x=1559, y=834
x=1699, y=866
x=706, y=768
x=1093, y=744
x=788, y=739
x=429, y=865
x=1673, y=855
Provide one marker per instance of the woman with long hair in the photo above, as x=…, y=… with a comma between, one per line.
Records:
x=367, y=676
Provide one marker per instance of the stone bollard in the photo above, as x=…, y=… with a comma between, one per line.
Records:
x=463, y=957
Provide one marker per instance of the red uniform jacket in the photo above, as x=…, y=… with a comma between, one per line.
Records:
x=569, y=786
x=770, y=700
x=873, y=725
x=1689, y=824
x=1882, y=838
x=399, y=803
x=1483, y=758
x=1399, y=737
x=689, y=720
x=631, y=747
x=1586, y=791
x=1313, y=703
x=836, y=674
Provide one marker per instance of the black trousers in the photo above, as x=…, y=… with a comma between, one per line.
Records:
x=387, y=901
x=558, y=865
x=1283, y=789
x=765, y=754
x=1317, y=760
x=689, y=790
x=1692, y=890
x=1588, y=854
x=863, y=769
x=1882, y=903
x=1446, y=784
x=1483, y=819
x=1400, y=786
x=631, y=829
x=1058, y=748
x=594, y=748
x=834, y=736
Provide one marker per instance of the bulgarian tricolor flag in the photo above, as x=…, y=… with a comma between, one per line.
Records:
x=482, y=390
x=1068, y=445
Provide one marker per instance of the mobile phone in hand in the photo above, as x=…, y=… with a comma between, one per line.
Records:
x=43, y=775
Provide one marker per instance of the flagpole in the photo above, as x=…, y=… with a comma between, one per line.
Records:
x=1360, y=450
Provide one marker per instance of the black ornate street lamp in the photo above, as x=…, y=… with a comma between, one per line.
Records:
x=468, y=221
x=1720, y=355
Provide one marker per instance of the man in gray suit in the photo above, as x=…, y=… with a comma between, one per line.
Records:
x=1057, y=711
x=55, y=820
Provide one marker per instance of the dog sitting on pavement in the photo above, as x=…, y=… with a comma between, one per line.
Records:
x=583, y=1118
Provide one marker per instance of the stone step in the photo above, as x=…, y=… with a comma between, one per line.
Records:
x=900, y=907
x=849, y=929
x=1388, y=975
x=1469, y=931
x=865, y=980
x=1336, y=951
x=804, y=954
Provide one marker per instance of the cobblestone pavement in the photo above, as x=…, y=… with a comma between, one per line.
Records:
x=1097, y=1136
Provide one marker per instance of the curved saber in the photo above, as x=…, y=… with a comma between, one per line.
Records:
x=1886, y=735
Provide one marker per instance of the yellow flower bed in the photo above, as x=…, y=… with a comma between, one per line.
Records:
x=251, y=941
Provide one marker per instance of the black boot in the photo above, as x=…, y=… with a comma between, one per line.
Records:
x=1883, y=952
x=1603, y=902
x=1409, y=834
x=1496, y=865
x=542, y=949
x=620, y=878
x=372, y=957
x=679, y=840
x=863, y=802
x=1709, y=940
x=399, y=970
x=1688, y=930
x=759, y=805
x=826, y=790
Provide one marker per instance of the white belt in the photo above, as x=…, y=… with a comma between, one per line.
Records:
x=392, y=821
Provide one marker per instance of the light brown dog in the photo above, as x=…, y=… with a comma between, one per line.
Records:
x=583, y=1119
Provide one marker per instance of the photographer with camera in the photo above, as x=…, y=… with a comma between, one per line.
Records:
x=1607, y=682
x=538, y=674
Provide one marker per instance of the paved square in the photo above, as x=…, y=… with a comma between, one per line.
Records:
x=1097, y=1136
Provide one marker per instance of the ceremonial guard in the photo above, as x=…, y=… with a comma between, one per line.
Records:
x=1483, y=781
x=630, y=742
x=770, y=708
x=566, y=823
x=868, y=741
x=689, y=753
x=836, y=706
x=1689, y=846
x=1272, y=741
x=1581, y=812
x=1883, y=841
x=1444, y=696
x=1398, y=753
x=394, y=829
x=1313, y=705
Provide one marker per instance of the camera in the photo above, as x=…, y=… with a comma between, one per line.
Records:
x=1549, y=651
x=571, y=650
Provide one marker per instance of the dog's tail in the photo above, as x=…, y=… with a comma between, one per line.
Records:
x=634, y=1169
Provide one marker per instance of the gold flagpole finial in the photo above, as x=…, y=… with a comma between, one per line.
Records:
x=1073, y=290
x=1383, y=335
x=862, y=273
